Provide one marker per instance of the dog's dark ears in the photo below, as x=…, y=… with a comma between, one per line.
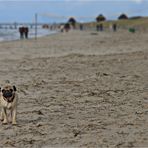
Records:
x=14, y=88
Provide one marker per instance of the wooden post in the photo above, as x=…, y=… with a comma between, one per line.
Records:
x=36, y=23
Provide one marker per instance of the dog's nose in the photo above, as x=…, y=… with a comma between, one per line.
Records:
x=7, y=94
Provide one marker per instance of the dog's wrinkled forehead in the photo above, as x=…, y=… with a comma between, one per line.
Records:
x=8, y=87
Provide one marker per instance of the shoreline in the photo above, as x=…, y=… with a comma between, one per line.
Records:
x=16, y=36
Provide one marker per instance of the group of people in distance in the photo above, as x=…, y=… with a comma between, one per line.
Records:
x=23, y=32
x=66, y=27
x=100, y=27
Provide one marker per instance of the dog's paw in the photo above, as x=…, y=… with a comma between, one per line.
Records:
x=5, y=123
x=14, y=123
x=1, y=119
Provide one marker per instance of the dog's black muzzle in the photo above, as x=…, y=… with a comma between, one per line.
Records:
x=7, y=94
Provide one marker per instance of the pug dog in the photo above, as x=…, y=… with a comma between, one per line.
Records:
x=8, y=102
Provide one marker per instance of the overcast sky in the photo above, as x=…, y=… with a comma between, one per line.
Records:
x=60, y=10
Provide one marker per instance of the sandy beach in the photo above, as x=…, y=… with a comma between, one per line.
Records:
x=78, y=89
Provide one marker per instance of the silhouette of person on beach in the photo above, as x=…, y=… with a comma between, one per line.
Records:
x=62, y=28
x=81, y=27
x=101, y=27
x=67, y=27
x=26, y=31
x=21, y=30
x=97, y=27
x=114, y=27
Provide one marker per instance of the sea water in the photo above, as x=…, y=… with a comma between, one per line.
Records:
x=13, y=34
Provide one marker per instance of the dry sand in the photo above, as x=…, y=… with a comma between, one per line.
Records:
x=79, y=89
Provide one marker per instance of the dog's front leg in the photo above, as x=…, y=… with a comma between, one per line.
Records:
x=14, y=116
x=4, y=114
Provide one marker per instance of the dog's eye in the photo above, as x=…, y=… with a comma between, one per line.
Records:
x=3, y=90
x=11, y=90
